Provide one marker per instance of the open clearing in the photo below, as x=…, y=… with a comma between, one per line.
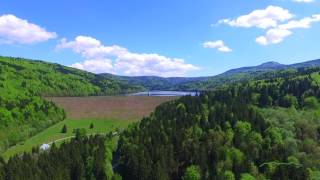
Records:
x=53, y=133
x=109, y=107
x=106, y=113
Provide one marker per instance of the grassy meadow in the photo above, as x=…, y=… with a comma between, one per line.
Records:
x=105, y=112
x=53, y=133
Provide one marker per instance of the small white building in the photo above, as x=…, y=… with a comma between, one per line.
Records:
x=44, y=147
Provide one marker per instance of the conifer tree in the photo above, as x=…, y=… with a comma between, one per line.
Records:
x=64, y=129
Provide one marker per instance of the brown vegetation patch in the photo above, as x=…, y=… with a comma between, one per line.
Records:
x=109, y=107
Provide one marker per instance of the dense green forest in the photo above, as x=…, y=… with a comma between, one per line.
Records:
x=241, y=74
x=158, y=83
x=262, y=129
x=81, y=158
x=48, y=79
x=23, y=83
x=263, y=126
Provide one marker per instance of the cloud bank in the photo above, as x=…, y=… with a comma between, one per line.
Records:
x=15, y=30
x=262, y=18
x=279, y=33
x=276, y=21
x=116, y=59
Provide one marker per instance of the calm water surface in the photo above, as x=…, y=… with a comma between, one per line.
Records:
x=164, y=93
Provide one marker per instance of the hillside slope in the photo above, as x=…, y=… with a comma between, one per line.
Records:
x=260, y=129
x=50, y=79
x=271, y=66
x=155, y=82
x=243, y=74
x=266, y=127
x=23, y=111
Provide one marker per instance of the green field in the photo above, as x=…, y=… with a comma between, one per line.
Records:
x=105, y=112
x=53, y=133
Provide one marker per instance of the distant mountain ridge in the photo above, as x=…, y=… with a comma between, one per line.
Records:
x=208, y=82
x=272, y=65
x=115, y=84
x=312, y=63
x=154, y=82
x=267, y=66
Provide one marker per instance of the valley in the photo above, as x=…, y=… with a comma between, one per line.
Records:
x=257, y=124
x=159, y=90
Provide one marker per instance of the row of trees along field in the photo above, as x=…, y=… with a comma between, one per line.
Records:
x=23, y=83
x=263, y=129
x=81, y=158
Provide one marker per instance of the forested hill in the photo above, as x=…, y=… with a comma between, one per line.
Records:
x=208, y=82
x=23, y=111
x=50, y=79
x=262, y=129
x=243, y=74
x=155, y=82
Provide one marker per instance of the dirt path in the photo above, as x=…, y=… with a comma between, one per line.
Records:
x=70, y=137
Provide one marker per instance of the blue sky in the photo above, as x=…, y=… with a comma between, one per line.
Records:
x=166, y=38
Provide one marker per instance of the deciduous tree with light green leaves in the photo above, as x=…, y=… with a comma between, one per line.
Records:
x=192, y=173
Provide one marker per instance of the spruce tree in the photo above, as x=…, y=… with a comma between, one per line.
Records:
x=64, y=129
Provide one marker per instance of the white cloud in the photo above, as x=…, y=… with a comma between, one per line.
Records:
x=219, y=45
x=273, y=36
x=302, y=23
x=95, y=65
x=277, y=21
x=152, y=64
x=116, y=59
x=304, y=1
x=16, y=30
x=279, y=33
x=262, y=18
x=89, y=47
